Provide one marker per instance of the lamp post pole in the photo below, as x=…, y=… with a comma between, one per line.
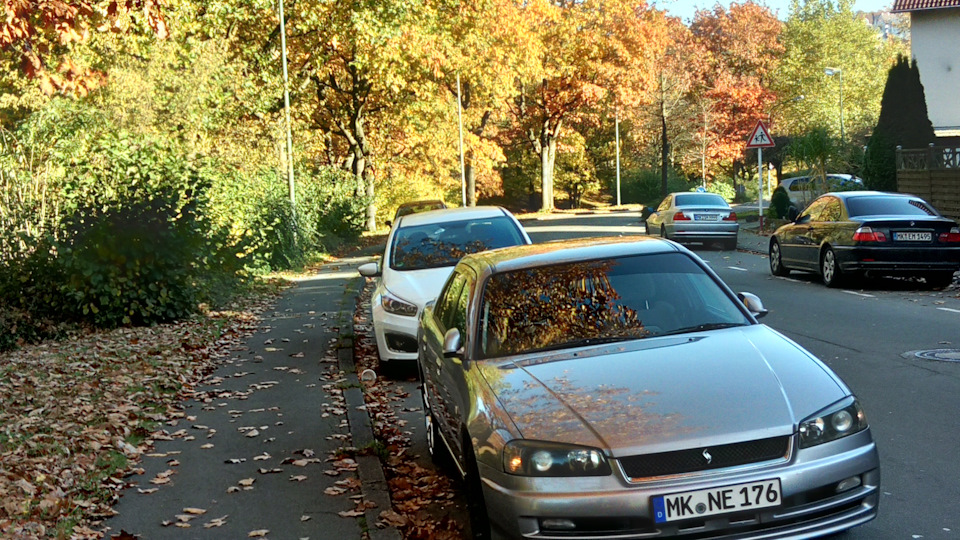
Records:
x=463, y=178
x=286, y=108
x=617, y=129
x=839, y=72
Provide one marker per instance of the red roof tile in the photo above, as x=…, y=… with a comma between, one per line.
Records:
x=901, y=6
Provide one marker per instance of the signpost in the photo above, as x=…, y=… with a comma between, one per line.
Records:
x=760, y=139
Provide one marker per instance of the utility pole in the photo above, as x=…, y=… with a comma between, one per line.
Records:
x=830, y=72
x=617, y=129
x=286, y=113
x=463, y=179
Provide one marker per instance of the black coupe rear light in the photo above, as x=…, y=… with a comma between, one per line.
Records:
x=951, y=237
x=866, y=234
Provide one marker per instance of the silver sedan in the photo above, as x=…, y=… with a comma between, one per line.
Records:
x=619, y=389
x=695, y=217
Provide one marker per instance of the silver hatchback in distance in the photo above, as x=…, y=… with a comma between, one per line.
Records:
x=619, y=389
x=695, y=217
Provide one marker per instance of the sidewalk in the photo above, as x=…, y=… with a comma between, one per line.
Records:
x=267, y=447
x=750, y=238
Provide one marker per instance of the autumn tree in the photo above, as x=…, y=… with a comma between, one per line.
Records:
x=743, y=48
x=677, y=74
x=586, y=51
x=486, y=50
x=821, y=34
x=38, y=36
x=355, y=58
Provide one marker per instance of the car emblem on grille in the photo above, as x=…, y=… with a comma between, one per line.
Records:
x=707, y=456
x=913, y=223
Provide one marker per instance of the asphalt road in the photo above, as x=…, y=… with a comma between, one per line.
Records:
x=866, y=335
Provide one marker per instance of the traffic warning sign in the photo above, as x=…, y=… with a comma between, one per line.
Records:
x=760, y=138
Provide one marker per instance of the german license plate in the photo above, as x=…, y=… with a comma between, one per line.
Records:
x=913, y=236
x=722, y=500
x=706, y=217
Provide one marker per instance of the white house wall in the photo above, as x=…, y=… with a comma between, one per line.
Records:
x=935, y=44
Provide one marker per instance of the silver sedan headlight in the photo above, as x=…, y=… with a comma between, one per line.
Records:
x=834, y=422
x=538, y=458
x=394, y=305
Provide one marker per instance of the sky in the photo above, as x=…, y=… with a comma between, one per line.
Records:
x=686, y=8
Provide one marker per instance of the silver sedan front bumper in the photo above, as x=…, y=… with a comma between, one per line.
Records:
x=615, y=507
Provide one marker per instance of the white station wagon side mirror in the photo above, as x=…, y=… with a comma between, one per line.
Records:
x=369, y=269
x=753, y=304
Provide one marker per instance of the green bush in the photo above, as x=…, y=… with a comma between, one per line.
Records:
x=780, y=202
x=723, y=189
x=137, y=245
x=329, y=213
x=643, y=186
x=30, y=299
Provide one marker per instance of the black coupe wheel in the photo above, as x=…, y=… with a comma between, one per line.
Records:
x=830, y=268
x=776, y=260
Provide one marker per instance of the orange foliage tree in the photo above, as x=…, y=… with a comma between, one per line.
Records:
x=743, y=51
x=588, y=51
x=37, y=36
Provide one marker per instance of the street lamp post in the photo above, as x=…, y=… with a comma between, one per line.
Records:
x=839, y=72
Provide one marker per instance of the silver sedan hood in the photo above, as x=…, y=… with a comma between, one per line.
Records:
x=667, y=393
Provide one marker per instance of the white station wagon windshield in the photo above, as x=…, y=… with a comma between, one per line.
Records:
x=443, y=244
x=583, y=303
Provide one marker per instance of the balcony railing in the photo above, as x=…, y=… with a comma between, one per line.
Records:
x=926, y=159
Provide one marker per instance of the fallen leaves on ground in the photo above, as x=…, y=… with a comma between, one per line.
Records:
x=79, y=413
x=420, y=497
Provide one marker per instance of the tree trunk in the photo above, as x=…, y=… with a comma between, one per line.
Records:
x=471, y=174
x=548, y=149
x=371, y=206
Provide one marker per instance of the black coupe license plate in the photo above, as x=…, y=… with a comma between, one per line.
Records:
x=913, y=236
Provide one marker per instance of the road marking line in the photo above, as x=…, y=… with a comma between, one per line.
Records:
x=789, y=279
x=865, y=295
x=951, y=310
x=738, y=268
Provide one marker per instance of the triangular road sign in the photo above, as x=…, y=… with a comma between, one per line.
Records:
x=760, y=138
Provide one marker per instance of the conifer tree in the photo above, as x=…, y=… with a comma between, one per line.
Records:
x=903, y=121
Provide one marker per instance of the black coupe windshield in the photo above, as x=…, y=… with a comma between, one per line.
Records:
x=570, y=305
x=443, y=244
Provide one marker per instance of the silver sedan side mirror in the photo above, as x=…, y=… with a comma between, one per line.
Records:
x=452, y=343
x=369, y=269
x=753, y=304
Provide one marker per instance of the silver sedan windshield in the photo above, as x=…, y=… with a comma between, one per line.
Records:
x=583, y=303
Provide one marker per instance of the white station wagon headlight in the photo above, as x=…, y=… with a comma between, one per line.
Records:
x=538, y=458
x=835, y=422
x=394, y=305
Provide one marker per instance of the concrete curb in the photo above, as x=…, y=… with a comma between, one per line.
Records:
x=373, y=482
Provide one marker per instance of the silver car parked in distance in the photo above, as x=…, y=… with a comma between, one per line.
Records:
x=617, y=388
x=695, y=217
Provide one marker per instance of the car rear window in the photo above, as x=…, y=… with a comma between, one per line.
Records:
x=888, y=206
x=567, y=305
x=443, y=244
x=700, y=199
